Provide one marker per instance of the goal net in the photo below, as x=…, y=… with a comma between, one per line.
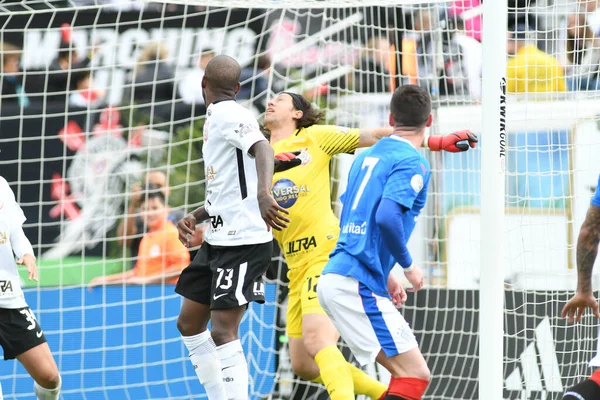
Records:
x=98, y=95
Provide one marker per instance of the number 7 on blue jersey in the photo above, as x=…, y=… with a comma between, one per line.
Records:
x=369, y=164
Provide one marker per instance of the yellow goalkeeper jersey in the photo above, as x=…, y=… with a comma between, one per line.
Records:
x=305, y=192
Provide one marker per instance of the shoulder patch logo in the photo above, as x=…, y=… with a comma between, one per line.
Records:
x=342, y=129
x=244, y=129
x=416, y=182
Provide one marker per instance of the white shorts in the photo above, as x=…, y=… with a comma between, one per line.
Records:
x=368, y=323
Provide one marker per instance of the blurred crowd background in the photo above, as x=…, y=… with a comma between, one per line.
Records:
x=103, y=101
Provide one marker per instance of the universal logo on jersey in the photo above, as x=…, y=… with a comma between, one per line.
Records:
x=286, y=192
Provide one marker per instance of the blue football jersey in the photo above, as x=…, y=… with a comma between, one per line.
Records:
x=392, y=169
x=596, y=198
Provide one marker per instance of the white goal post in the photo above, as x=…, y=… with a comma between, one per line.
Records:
x=493, y=167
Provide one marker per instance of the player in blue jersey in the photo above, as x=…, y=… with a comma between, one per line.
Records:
x=587, y=250
x=387, y=189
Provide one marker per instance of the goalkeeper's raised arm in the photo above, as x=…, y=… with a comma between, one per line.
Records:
x=455, y=142
x=304, y=115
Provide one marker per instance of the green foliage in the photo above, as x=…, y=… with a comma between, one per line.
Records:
x=186, y=167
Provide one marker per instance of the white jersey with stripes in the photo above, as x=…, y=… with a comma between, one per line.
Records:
x=230, y=131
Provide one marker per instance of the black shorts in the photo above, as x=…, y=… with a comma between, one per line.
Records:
x=226, y=277
x=19, y=331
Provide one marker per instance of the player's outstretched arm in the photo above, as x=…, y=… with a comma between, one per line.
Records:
x=455, y=142
x=270, y=211
x=587, y=250
x=389, y=219
x=368, y=137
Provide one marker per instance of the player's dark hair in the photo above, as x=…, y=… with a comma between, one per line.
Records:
x=153, y=192
x=410, y=106
x=310, y=115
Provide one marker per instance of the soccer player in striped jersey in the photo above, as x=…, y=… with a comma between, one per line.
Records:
x=587, y=251
x=21, y=336
x=306, y=243
x=387, y=189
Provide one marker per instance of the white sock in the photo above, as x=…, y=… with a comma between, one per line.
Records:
x=1, y=398
x=204, y=358
x=45, y=394
x=235, y=370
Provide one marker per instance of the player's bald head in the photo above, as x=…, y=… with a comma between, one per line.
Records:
x=222, y=75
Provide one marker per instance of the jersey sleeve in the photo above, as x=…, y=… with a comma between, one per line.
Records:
x=335, y=139
x=7, y=199
x=19, y=242
x=596, y=198
x=405, y=182
x=243, y=133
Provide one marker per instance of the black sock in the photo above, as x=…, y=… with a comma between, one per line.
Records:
x=586, y=390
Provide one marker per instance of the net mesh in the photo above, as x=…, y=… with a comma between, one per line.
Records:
x=97, y=95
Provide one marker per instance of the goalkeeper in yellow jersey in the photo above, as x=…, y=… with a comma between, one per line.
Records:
x=304, y=190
